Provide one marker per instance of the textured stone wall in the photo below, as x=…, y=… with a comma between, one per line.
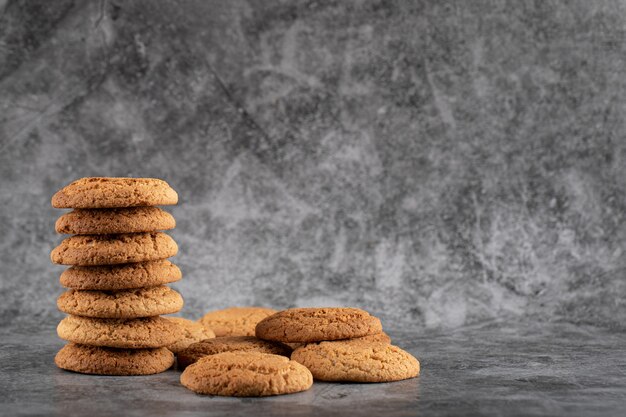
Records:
x=438, y=163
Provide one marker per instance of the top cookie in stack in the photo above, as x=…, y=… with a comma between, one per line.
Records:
x=116, y=282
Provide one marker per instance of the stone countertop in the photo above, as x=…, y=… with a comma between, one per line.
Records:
x=490, y=369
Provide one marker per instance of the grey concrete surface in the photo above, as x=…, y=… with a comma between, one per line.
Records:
x=495, y=369
x=438, y=163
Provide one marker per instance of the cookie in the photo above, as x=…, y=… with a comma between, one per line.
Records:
x=87, y=250
x=111, y=361
x=147, y=332
x=120, y=277
x=317, y=324
x=191, y=332
x=235, y=321
x=357, y=362
x=122, y=304
x=115, y=220
x=199, y=350
x=246, y=374
x=103, y=192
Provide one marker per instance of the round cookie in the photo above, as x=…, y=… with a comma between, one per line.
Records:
x=191, y=332
x=204, y=348
x=317, y=324
x=85, y=250
x=147, y=332
x=120, y=277
x=108, y=192
x=115, y=220
x=110, y=361
x=235, y=321
x=122, y=304
x=357, y=362
x=246, y=374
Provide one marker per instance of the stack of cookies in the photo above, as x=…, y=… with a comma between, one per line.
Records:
x=291, y=348
x=119, y=268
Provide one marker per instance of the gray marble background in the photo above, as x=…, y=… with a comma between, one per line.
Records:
x=438, y=163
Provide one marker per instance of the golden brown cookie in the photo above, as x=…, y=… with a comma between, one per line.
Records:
x=357, y=362
x=121, y=277
x=111, y=361
x=317, y=324
x=122, y=304
x=147, y=332
x=107, y=192
x=235, y=321
x=246, y=374
x=199, y=350
x=88, y=250
x=114, y=220
x=191, y=332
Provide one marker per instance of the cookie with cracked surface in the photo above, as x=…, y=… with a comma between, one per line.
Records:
x=111, y=361
x=120, y=277
x=307, y=325
x=199, y=350
x=115, y=220
x=246, y=374
x=357, y=362
x=113, y=192
x=235, y=321
x=191, y=332
x=122, y=304
x=86, y=250
x=146, y=332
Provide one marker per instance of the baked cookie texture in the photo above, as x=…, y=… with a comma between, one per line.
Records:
x=235, y=321
x=307, y=325
x=111, y=361
x=85, y=250
x=121, y=277
x=147, y=332
x=190, y=332
x=357, y=362
x=199, y=350
x=246, y=374
x=378, y=337
x=114, y=220
x=108, y=192
x=381, y=337
x=122, y=304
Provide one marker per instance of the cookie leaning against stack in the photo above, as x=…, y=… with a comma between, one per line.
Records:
x=118, y=257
